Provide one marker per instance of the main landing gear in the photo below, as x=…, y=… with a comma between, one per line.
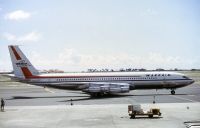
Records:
x=97, y=94
x=173, y=92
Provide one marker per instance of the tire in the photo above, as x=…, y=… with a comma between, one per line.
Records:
x=132, y=116
x=173, y=92
x=150, y=116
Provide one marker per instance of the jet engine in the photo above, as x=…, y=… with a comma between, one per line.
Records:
x=107, y=88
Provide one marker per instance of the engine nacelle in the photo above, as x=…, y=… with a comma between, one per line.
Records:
x=107, y=88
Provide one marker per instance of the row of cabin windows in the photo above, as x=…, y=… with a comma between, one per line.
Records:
x=158, y=75
x=129, y=78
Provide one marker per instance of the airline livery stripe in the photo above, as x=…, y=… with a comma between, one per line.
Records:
x=15, y=53
x=114, y=80
x=26, y=72
x=99, y=77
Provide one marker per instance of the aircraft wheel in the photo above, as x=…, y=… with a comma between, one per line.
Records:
x=93, y=94
x=151, y=116
x=98, y=94
x=132, y=117
x=173, y=92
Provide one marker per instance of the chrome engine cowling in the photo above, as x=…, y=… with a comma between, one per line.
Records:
x=107, y=88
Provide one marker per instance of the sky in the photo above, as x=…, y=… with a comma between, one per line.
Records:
x=75, y=35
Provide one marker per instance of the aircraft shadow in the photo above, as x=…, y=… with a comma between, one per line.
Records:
x=35, y=97
x=68, y=97
x=146, y=117
x=115, y=96
x=156, y=94
x=82, y=98
x=108, y=96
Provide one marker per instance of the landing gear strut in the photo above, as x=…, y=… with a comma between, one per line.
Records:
x=173, y=92
x=98, y=94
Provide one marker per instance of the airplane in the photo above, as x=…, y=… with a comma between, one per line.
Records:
x=95, y=84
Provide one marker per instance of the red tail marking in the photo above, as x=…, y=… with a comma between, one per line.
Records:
x=15, y=53
x=26, y=72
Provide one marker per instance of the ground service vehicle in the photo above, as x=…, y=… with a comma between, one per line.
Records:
x=136, y=110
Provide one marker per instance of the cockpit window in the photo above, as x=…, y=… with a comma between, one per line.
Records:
x=185, y=77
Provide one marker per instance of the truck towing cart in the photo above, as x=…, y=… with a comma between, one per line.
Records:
x=136, y=110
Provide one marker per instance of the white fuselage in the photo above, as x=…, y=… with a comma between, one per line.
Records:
x=95, y=83
x=136, y=80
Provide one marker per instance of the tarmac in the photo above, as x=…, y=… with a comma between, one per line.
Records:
x=29, y=106
x=97, y=116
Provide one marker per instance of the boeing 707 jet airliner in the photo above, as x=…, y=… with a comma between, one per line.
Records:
x=95, y=83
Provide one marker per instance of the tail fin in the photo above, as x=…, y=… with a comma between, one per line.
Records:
x=21, y=65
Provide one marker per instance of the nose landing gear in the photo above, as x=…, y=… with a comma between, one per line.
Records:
x=173, y=92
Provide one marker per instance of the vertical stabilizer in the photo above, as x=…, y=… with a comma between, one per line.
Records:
x=21, y=65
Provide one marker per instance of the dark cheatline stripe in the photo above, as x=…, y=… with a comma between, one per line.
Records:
x=15, y=53
x=65, y=77
x=76, y=76
x=108, y=81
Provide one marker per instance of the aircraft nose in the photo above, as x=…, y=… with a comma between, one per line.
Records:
x=192, y=81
